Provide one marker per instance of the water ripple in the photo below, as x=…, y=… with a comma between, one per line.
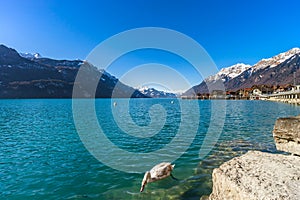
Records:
x=42, y=157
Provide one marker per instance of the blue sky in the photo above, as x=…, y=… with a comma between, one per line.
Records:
x=231, y=31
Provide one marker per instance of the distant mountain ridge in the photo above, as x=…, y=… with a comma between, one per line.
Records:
x=30, y=55
x=228, y=73
x=277, y=70
x=153, y=93
x=38, y=77
x=275, y=60
x=224, y=75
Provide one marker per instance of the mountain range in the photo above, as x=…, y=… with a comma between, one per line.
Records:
x=153, y=93
x=281, y=69
x=33, y=76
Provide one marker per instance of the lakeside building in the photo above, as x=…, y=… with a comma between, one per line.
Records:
x=261, y=92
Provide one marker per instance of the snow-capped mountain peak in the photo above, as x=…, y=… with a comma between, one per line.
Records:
x=30, y=55
x=229, y=73
x=275, y=60
x=143, y=88
x=153, y=93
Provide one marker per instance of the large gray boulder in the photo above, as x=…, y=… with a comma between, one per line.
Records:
x=257, y=175
x=286, y=134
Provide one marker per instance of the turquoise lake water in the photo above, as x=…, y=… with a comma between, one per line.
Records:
x=42, y=156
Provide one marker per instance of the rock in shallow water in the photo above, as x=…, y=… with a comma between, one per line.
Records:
x=287, y=134
x=258, y=175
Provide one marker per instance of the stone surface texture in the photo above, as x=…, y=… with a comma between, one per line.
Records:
x=286, y=134
x=258, y=175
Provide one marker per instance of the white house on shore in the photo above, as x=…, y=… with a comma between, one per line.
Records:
x=256, y=94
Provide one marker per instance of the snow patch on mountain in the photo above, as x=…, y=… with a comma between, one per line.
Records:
x=236, y=70
x=151, y=92
x=228, y=73
x=275, y=60
x=30, y=55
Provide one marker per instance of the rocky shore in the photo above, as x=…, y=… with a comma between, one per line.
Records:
x=287, y=135
x=258, y=175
